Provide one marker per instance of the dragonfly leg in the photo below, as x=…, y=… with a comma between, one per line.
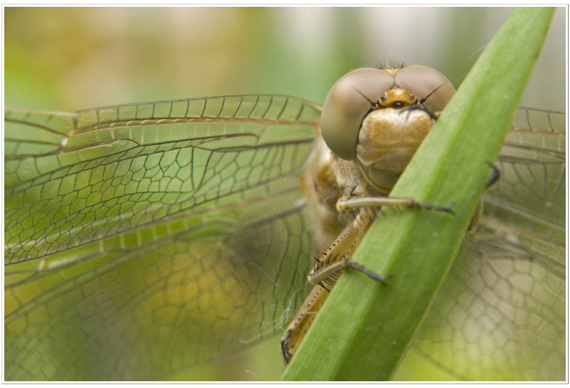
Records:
x=341, y=250
x=346, y=203
x=304, y=318
x=493, y=178
x=341, y=265
x=370, y=274
x=302, y=321
x=335, y=260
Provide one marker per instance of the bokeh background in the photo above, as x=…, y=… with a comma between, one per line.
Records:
x=77, y=58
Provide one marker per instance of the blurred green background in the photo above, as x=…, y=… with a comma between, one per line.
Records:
x=77, y=58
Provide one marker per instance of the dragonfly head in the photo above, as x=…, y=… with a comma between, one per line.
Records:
x=363, y=91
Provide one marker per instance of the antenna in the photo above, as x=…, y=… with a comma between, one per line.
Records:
x=435, y=90
x=373, y=104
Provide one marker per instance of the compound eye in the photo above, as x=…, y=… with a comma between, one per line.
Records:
x=423, y=80
x=346, y=106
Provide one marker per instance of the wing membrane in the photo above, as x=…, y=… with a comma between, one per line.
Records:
x=172, y=212
x=78, y=178
x=501, y=312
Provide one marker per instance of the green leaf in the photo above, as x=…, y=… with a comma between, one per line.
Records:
x=364, y=329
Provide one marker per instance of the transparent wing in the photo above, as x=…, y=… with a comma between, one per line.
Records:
x=501, y=312
x=141, y=239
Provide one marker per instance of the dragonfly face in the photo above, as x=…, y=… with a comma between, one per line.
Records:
x=143, y=239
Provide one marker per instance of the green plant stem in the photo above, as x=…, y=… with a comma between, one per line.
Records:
x=364, y=329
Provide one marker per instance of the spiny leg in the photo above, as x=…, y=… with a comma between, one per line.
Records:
x=493, y=178
x=344, y=245
x=346, y=203
x=334, y=261
x=302, y=321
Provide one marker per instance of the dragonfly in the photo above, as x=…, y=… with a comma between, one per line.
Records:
x=143, y=239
